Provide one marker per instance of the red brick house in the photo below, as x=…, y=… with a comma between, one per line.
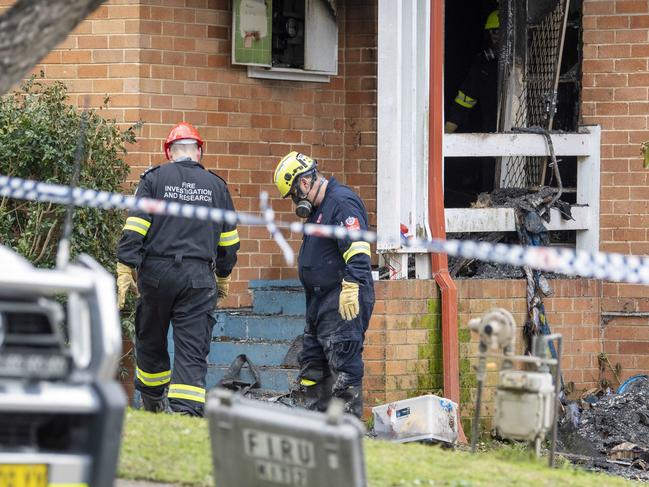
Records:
x=162, y=61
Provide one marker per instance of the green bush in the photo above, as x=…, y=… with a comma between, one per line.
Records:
x=39, y=133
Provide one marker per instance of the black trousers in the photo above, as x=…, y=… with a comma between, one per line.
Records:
x=183, y=293
x=333, y=346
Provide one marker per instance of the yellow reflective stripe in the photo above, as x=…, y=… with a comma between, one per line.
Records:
x=229, y=238
x=155, y=379
x=154, y=383
x=307, y=382
x=139, y=221
x=184, y=391
x=134, y=229
x=357, y=248
x=465, y=100
x=188, y=397
x=139, y=225
x=186, y=388
x=153, y=375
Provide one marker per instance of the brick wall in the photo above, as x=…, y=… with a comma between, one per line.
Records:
x=166, y=60
x=616, y=96
x=403, y=349
x=162, y=61
x=402, y=352
x=360, y=101
x=573, y=311
x=625, y=329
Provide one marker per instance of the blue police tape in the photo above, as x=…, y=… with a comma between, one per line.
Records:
x=599, y=265
x=25, y=189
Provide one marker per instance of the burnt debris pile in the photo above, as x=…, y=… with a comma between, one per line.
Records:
x=609, y=433
x=618, y=418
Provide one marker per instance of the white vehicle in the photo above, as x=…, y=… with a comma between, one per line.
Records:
x=61, y=410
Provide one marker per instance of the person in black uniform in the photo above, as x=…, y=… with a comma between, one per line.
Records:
x=480, y=87
x=180, y=266
x=474, y=109
x=337, y=280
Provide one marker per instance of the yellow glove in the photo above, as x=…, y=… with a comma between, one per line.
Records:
x=450, y=127
x=348, y=303
x=125, y=281
x=223, y=284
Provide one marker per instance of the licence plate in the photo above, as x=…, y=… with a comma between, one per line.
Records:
x=23, y=475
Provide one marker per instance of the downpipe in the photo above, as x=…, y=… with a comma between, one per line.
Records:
x=439, y=262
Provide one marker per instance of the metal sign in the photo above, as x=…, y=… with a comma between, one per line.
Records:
x=279, y=458
x=258, y=444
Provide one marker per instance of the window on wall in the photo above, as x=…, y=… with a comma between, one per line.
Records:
x=286, y=39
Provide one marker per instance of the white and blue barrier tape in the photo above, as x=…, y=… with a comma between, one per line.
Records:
x=606, y=266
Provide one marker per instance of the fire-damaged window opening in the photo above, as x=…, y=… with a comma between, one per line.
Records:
x=288, y=34
x=478, y=39
x=286, y=39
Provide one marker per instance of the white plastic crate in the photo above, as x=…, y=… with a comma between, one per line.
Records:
x=426, y=417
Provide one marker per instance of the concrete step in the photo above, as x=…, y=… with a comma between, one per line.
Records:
x=284, y=297
x=260, y=353
x=275, y=379
x=244, y=325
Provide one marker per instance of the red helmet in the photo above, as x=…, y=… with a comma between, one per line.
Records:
x=182, y=131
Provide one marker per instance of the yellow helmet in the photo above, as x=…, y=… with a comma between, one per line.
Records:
x=290, y=167
x=493, y=21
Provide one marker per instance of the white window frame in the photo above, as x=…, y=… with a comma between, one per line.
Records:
x=585, y=145
x=402, y=150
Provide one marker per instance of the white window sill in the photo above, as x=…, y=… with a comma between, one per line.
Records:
x=287, y=74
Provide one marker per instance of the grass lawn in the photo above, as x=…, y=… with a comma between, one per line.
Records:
x=176, y=449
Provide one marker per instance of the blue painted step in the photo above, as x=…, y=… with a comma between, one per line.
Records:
x=260, y=353
x=278, y=297
x=263, y=333
x=272, y=378
x=242, y=325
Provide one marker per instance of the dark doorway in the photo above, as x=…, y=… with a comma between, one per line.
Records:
x=466, y=39
x=466, y=178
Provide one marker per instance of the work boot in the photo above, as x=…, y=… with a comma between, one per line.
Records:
x=158, y=404
x=184, y=410
x=315, y=397
x=353, y=397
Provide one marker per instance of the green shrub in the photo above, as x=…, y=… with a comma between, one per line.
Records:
x=39, y=130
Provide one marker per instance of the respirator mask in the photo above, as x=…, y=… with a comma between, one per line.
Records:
x=304, y=207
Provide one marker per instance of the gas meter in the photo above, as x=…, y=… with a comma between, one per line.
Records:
x=526, y=400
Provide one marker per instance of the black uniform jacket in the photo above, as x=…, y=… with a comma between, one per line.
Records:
x=185, y=182
x=323, y=262
x=480, y=88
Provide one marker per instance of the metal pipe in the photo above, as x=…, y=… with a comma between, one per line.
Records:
x=557, y=73
x=554, y=163
x=557, y=402
x=555, y=170
x=439, y=262
x=640, y=314
x=480, y=376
